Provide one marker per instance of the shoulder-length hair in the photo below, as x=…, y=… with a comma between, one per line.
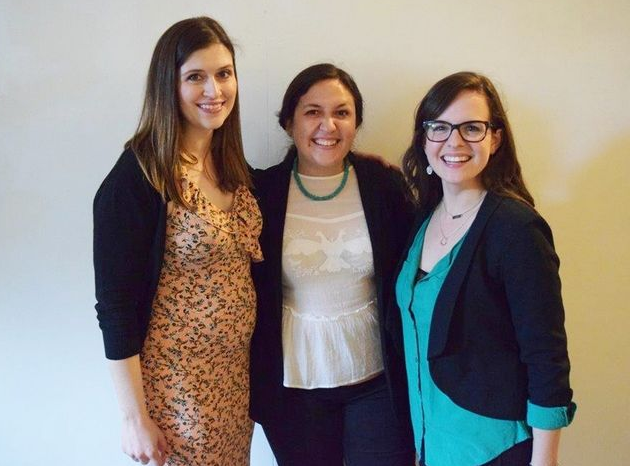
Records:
x=502, y=175
x=158, y=138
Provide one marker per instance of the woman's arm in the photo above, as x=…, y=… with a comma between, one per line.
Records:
x=142, y=439
x=126, y=222
x=533, y=288
x=125, y=225
x=545, y=450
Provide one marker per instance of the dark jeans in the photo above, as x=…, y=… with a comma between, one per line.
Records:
x=327, y=426
x=519, y=455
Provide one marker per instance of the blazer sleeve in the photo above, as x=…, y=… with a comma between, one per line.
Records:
x=529, y=268
x=125, y=222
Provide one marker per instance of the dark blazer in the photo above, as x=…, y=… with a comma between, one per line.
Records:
x=497, y=337
x=388, y=216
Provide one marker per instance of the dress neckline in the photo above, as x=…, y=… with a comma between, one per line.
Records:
x=195, y=195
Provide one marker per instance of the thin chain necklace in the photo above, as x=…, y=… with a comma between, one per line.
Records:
x=467, y=215
x=456, y=216
x=314, y=197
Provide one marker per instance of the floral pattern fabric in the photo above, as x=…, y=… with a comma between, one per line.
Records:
x=195, y=359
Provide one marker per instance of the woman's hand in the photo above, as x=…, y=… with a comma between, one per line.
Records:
x=143, y=440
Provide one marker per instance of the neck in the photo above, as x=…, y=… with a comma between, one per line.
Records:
x=310, y=169
x=197, y=143
x=315, y=197
x=458, y=199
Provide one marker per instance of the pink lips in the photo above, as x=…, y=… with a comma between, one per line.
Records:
x=325, y=143
x=455, y=160
x=210, y=107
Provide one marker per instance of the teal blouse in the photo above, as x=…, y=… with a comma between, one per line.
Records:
x=448, y=434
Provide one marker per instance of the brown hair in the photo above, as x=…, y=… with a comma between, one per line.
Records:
x=157, y=141
x=502, y=175
x=310, y=76
x=301, y=84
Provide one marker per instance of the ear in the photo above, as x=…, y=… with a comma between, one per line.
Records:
x=496, y=140
x=289, y=128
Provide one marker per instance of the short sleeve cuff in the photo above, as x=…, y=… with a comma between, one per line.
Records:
x=541, y=417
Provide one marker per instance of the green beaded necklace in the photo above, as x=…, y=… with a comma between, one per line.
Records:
x=298, y=181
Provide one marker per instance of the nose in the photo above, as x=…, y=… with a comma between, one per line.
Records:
x=328, y=124
x=455, y=138
x=211, y=88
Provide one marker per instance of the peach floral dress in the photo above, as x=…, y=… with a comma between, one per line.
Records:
x=195, y=359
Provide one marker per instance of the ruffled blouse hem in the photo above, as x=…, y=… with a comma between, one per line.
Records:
x=331, y=352
x=335, y=384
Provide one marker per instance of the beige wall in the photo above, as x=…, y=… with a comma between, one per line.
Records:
x=71, y=78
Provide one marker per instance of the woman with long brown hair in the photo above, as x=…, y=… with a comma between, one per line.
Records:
x=175, y=231
x=479, y=291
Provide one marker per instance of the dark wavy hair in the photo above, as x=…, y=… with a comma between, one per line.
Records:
x=157, y=141
x=502, y=175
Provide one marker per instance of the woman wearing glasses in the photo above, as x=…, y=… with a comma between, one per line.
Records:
x=479, y=291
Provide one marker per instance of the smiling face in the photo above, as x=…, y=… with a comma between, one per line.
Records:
x=323, y=128
x=207, y=90
x=457, y=162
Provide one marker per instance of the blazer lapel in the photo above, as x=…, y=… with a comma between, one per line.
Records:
x=445, y=303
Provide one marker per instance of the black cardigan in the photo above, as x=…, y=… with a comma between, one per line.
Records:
x=497, y=337
x=388, y=216
x=129, y=234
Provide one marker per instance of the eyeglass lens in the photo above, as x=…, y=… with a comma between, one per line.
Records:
x=471, y=131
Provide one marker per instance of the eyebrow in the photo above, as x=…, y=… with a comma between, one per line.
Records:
x=344, y=104
x=200, y=70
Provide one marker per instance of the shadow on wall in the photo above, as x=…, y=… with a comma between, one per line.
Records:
x=591, y=230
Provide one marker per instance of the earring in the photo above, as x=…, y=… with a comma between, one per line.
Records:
x=429, y=170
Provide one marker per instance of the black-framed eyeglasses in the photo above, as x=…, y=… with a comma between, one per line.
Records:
x=470, y=131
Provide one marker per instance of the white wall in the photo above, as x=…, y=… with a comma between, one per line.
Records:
x=71, y=81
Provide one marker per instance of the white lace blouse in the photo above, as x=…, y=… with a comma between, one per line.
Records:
x=330, y=335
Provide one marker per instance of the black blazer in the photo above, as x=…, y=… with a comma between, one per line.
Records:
x=497, y=337
x=388, y=216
